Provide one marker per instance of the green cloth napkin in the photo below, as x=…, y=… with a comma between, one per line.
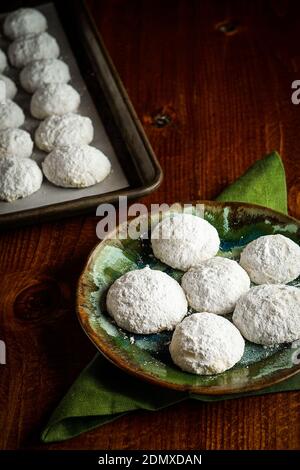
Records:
x=103, y=393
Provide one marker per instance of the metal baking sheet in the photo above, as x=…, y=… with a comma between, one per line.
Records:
x=49, y=194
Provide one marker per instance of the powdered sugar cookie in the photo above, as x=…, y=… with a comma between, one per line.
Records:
x=3, y=61
x=76, y=166
x=215, y=285
x=24, y=21
x=204, y=344
x=11, y=88
x=42, y=72
x=146, y=301
x=26, y=49
x=271, y=259
x=15, y=143
x=69, y=129
x=11, y=115
x=184, y=240
x=55, y=98
x=19, y=177
x=269, y=314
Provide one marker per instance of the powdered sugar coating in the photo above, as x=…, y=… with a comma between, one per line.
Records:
x=215, y=285
x=146, y=301
x=2, y=91
x=269, y=314
x=184, y=240
x=26, y=49
x=69, y=129
x=76, y=166
x=55, y=98
x=19, y=177
x=11, y=115
x=11, y=88
x=3, y=61
x=15, y=143
x=271, y=259
x=205, y=343
x=42, y=72
x=24, y=21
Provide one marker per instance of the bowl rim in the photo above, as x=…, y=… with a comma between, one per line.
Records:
x=121, y=363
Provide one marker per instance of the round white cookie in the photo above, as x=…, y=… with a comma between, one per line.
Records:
x=271, y=259
x=11, y=115
x=24, y=21
x=3, y=61
x=42, y=72
x=55, y=98
x=68, y=129
x=29, y=48
x=215, y=285
x=205, y=343
x=269, y=314
x=19, y=177
x=76, y=166
x=15, y=143
x=146, y=301
x=11, y=88
x=2, y=91
x=184, y=240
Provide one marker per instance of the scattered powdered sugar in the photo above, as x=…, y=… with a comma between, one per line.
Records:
x=271, y=259
x=269, y=314
x=215, y=285
x=54, y=98
x=69, y=129
x=184, y=240
x=146, y=301
x=205, y=343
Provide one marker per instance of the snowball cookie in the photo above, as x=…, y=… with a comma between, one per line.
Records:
x=76, y=166
x=3, y=61
x=269, y=314
x=272, y=259
x=30, y=48
x=11, y=115
x=2, y=91
x=19, y=177
x=42, y=72
x=69, y=129
x=15, y=143
x=11, y=88
x=184, y=241
x=204, y=344
x=146, y=301
x=55, y=98
x=24, y=21
x=215, y=285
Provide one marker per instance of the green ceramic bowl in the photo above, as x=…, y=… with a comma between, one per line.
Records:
x=147, y=356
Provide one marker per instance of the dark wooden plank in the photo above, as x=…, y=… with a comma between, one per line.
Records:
x=227, y=95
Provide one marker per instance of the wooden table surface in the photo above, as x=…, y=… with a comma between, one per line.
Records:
x=222, y=72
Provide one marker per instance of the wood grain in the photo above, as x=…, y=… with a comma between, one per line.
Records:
x=220, y=74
